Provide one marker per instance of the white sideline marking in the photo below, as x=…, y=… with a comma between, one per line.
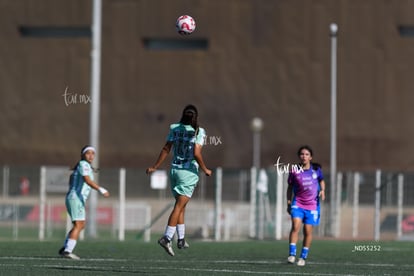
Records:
x=60, y=258
x=183, y=269
x=196, y=261
x=308, y=262
x=74, y=264
x=254, y=271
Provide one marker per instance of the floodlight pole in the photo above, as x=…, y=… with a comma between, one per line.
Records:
x=95, y=106
x=257, y=127
x=333, y=199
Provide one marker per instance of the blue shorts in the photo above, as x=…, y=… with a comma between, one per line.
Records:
x=311, y=217
x=183, y=182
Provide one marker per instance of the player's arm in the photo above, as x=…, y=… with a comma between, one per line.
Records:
x=322, y=190
x=199, y=158
x=289, y=195
x=163, y=154
x=95, y=186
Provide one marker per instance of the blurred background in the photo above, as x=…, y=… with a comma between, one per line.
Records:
x=266, y=59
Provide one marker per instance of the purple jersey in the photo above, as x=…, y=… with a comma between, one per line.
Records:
x=306, y=187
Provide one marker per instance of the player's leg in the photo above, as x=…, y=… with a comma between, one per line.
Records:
x=185, y=187
x=180, y=203
x=294, y=231
x=78, y=226
x=171, y=225
x=293, y=238
x=181, y=242
x=177, y=214
x=183, y=183
x=308, y=235
x=310, y=220
x=69, y=211
x=181, y=216
x=76, y=210
x=181, y=225
x=165, y=240
x=307, y=241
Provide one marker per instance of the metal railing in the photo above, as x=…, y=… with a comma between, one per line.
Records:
x=371, y=205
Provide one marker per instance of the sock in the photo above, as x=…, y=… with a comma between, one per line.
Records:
x=70, y=245
x=169, y=232
x=66, y=240
x=292, y=249
x=180, y=231
x=304, y=253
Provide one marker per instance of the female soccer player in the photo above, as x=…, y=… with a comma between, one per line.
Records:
x=80, y=184
x=305, y=187
x=186, y=138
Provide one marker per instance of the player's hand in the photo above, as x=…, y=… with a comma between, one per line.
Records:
x=289, y=209
x=104, y=192
x=322, y=194
x=208, y=172
x=150, y=170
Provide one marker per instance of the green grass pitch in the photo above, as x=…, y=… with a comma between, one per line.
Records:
x=134, y=257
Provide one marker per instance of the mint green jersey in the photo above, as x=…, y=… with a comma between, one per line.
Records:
x=77, y=186
x=184, y=139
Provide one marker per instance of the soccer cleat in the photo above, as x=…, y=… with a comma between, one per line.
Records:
x=301, y=262
x=291, y=259
x=182, y=244
x=61, y=251
x=68, y=255
x=166, y=244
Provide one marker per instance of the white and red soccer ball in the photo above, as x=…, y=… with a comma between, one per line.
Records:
x=185, y=24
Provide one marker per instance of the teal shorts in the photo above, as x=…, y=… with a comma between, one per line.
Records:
x=183, y=182
x=75, y=208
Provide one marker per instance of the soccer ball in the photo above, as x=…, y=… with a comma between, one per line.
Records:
x=185, y=25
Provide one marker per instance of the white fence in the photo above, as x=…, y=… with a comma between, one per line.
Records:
x=234, y=204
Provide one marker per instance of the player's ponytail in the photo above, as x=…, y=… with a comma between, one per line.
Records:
x=316, y=166
x=75, y=167
x=190, y=116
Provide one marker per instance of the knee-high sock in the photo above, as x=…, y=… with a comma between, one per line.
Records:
x=169, y=232
x=181, y=231
x=70, y=245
